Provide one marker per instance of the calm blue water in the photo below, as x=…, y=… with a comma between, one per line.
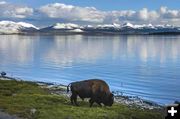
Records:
x=144, y=66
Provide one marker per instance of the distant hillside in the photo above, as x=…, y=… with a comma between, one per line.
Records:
x=9, y=27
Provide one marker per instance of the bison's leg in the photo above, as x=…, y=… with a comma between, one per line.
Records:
x=72, y=99
x=75, y=99
x=91, y=101
x=81, y=97
x=99, y=103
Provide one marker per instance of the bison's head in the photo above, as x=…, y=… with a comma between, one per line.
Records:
x=109, y=100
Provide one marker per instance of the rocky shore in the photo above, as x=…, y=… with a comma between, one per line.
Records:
x=4, y=115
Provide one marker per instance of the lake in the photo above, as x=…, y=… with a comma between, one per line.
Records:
x=137, y=65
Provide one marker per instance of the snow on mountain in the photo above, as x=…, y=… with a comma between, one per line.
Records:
x=128, y=28
x=164, y=26
x=150, y=26
x=128, y=25
x=62, y=28
x=10, y=27
x=114, y=25
x=27, y=25
x=77, y=30
x=65, y=26
x=125, y=25
x=136, y=26
x=88, y=26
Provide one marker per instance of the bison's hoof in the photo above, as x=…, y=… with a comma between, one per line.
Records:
x=77, y=104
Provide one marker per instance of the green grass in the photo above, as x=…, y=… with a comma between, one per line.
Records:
x=20, y=98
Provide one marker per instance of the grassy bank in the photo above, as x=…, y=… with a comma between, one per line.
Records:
x=28, y=100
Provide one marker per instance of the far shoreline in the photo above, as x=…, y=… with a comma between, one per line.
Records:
x=93, y=33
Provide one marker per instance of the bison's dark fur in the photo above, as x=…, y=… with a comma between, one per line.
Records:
x=95, y=89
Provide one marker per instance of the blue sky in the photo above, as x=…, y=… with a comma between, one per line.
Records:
x=46, y=12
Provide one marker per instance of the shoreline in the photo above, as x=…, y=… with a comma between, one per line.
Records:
x=130, y=101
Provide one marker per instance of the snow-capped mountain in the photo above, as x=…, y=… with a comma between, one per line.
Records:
x=128, y=25
x=63, y=27
x=114, y=25
x=10, y=27
x=128, y=28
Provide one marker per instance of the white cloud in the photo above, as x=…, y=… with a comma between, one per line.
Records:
x=167, y=13
x=91, y=14
x=153, y=15
x=146, y=15
x=2, y=2
x=163, y=10
x=74, y=13
x=169, y=16
x=9, y=10
x=21, y=12
x=143, y=14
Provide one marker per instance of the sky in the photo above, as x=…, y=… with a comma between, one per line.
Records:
x=46, y=12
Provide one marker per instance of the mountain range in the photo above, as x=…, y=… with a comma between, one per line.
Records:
x=10, y=27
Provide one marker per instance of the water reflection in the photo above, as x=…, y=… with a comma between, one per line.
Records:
x=17, y=49
x=70, y=49
x=66, y=50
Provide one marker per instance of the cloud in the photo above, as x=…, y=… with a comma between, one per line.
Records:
x=91, y=14
x=169, y=16
x=59, y=12
x=166, y=13
x=143, y=14
x=74, y=13
x=2, y=2
x=9, y=10
x=146, y=15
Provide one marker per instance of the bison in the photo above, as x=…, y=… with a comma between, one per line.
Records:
x=95, y=89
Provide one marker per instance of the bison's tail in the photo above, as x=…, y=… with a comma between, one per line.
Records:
x=68, y=87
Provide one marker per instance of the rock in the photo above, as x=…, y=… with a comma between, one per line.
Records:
x=3, y=73
x=14, y=94
x=176, y=102
x=33, y=111
x=4, y=115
